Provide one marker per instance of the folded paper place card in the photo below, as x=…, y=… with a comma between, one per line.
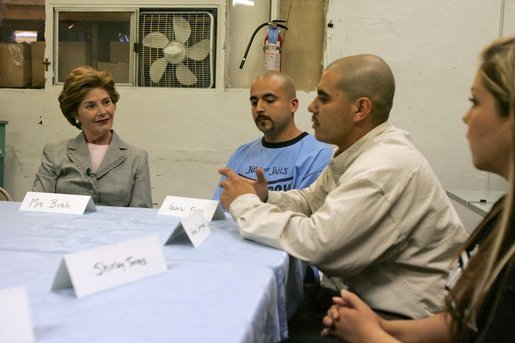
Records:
x=57, y=203
x=194, y=226
x=15, y=318
x=182, y=207
x=93, y=270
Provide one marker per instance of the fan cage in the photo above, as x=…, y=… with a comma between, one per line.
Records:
x=202, y=25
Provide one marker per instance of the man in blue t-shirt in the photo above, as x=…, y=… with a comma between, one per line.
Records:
x=290, y=158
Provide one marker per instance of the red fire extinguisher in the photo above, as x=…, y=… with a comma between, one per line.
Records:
x=272, y=45
x=272, y=48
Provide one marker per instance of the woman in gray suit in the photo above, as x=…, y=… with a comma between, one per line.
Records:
x=96, y=162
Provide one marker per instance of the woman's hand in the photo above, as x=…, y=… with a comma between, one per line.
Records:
x=353, y=321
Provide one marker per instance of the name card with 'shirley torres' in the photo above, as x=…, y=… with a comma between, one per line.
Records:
x=182, y=207
x=194, y=226
x=15, y=318
x=57, y=203
x=94, y=270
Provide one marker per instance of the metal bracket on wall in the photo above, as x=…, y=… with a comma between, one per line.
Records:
x=46, y=63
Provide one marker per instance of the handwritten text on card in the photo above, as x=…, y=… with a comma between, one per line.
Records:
x=52, y=203
x=130, y=262
x=57, y=203
x=183, y=207
x=93, y=270
x=196, y=228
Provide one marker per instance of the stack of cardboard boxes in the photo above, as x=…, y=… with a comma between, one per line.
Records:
x=21, y=65
x=15, y=65
x=118, y=63
x=72, y=55
x=37, y=50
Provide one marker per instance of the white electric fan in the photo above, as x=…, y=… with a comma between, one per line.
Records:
x=176, y=52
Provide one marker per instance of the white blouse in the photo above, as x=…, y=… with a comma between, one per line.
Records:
x=96, y=154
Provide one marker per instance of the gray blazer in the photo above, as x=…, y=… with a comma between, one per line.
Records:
x=123, y=178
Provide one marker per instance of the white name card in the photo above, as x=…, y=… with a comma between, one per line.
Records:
x=194, y=226
x=15, y=319
x=182, y=207
x=57, y=203
x=94, y=270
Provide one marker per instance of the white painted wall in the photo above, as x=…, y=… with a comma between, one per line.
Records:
x=432, y=48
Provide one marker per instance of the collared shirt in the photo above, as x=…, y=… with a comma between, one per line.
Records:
x=377, y=218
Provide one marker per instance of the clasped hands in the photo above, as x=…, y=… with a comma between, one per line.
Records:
x=352, y=320
x=235, y=185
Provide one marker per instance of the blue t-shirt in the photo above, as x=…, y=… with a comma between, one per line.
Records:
x=294, y=164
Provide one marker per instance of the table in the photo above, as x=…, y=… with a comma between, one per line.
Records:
x=241, y=287
x=177, y=306
x=479, y=202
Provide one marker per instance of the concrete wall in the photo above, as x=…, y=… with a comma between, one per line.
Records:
x=432, y=48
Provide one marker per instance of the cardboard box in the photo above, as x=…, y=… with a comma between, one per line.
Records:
x=38, y=68
x=120, y=71
x=15, y=65
x=119, y=52
x=72, y=55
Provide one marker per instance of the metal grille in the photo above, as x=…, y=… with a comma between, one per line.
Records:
x=202, y=25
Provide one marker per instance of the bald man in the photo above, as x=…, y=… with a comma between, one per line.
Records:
x=377, y=219
x=290, y=158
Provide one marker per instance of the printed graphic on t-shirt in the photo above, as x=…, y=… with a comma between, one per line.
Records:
x=288, y=165
x=274, y=176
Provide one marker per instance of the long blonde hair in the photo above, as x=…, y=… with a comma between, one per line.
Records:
x=497, y=251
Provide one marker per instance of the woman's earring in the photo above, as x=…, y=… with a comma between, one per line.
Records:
x=77, y=121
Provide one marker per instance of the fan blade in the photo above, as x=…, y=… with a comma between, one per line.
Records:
x=181, y=28
x=157, y=69
x=184, y=75
x=200, y=50
x=155, y=40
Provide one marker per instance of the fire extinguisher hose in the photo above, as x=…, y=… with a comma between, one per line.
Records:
x=254, y=34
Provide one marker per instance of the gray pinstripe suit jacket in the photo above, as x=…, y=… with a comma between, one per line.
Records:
x=123, y=178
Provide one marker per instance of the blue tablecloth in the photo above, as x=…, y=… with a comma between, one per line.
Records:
x=227, y=290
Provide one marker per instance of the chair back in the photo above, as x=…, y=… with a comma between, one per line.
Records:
x=4, y=195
